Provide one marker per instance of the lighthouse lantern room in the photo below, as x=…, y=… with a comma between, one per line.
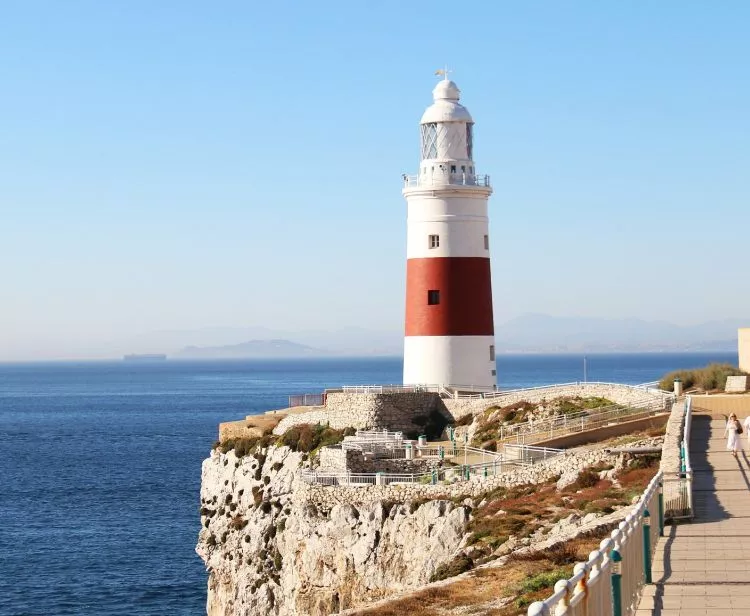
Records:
x=449, y=325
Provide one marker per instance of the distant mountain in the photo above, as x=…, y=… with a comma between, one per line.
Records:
x=529, y=333
x=252, y=349
x=345, y=341
x=547, y=334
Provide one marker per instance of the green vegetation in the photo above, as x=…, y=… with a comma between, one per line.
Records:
x=306, y=438
x=494, y=417
x=712, y=377
x=309, y=438
x=456, y=567
x=545, y=580
x=521, y=510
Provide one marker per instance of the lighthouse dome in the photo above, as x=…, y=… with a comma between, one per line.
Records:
x=446, y=107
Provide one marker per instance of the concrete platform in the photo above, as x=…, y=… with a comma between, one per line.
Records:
x=703, y=568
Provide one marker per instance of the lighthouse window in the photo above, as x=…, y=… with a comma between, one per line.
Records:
x=453, y=168
x=433, y=297
x=469, y=141
x=486, y=242
x=429, y=140
x=492, y=352
x=434, y=241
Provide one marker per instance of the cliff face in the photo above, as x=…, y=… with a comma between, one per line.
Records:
x=269, y=550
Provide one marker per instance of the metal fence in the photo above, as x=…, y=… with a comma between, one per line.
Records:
x=456, y=391
x=610, y=582
x=492, y=465
x=306, y=400
x=442, y=476
x=560, y=425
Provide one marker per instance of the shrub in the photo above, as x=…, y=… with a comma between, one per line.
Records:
x=544, y=580
x=237, y=523
x=457, y=566
x=713, y=376
x=587, y=478
x=308, y=438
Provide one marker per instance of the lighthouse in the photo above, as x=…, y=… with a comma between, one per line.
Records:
x=449, y=333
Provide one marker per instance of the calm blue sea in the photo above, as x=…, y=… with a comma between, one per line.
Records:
x=100, y=466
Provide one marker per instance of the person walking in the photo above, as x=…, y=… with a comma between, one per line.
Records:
x=732, y=432
x=746, y=425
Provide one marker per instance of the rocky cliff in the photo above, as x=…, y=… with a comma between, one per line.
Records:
x=270, y=550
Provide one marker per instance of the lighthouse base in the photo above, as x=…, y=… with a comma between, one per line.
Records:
x=459, y=362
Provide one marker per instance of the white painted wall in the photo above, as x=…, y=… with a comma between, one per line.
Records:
x=449, y=360
x=743, y=348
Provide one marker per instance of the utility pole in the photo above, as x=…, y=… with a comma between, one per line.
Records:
x=585, y=379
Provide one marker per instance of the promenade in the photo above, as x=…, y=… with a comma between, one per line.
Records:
x=703, y=567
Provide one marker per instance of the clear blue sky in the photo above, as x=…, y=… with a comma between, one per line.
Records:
x=179, y=165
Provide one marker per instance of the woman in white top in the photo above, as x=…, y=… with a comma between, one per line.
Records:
x=733, y=439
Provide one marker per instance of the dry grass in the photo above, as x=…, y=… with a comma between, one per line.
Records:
x=494, y=417
x=497, y=591
x=507, y=590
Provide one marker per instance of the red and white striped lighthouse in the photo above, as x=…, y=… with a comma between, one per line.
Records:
x=450, y=336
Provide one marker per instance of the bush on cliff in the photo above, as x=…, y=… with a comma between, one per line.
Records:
x=308, y=438
x=713, y=376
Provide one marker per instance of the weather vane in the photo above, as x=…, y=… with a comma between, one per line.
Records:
x=443, y=72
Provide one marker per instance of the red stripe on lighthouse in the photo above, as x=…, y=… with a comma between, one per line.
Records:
x=465, y=287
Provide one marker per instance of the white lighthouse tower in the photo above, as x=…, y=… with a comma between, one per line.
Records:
x=450, y=336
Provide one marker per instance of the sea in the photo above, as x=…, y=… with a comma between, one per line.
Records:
x=100, y=465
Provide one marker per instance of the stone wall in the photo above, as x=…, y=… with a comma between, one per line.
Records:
x=619, y=394
x=722, y=406
x=318, y=416
x=394, y=410
x=325, y=497
x=335, y=459
x=238, y=429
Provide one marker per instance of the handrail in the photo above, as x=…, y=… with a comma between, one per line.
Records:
x=609, y=583
x=461, y=391
x=496, y=462
x=560, y=425
x=446, y=178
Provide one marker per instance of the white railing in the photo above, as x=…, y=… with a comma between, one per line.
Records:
x=561, y=425
x=441, y=179
x=474, y=391
x=610, y=582
x=492, y=464
x=678, y=491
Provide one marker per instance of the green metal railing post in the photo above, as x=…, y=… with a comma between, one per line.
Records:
x=661, y=508
x=616, y=583
x=441, y=453
x=434, y=477
x=647, y=545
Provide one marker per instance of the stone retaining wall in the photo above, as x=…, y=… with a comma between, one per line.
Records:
x=337, y=460
x=326, y=497
x=395, y=410
x=319, y=416
x=619, y=394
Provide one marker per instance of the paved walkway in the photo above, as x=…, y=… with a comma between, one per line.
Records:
x=703, y=568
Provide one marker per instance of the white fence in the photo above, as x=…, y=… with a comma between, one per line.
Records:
x=610, y=582
x=560, y=425
x=492, y=464
x=678, y=491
